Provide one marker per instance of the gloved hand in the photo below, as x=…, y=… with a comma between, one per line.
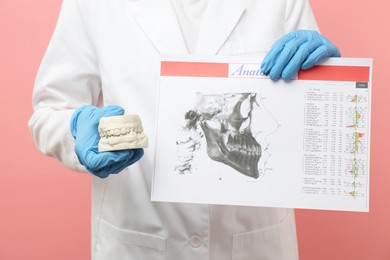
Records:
x=296, y=50
x=84, y=128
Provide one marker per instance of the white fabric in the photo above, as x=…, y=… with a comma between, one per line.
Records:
x=189, y=14
x=108, y=51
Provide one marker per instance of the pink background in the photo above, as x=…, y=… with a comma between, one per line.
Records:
x=44, y=208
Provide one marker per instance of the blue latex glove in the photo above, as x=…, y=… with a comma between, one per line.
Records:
x=300, y=49
x=84, y=127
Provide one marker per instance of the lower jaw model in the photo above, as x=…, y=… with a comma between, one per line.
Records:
x=121, y=133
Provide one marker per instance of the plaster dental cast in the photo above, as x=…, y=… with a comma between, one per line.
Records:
x=103, y=60
x=121, y=133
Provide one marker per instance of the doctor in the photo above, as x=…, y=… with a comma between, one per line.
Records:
x=106, y=54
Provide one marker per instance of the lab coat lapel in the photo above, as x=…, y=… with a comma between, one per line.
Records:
x=157, y=19
x=219, y=20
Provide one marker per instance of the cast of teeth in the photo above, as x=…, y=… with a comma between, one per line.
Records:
x=121, y=133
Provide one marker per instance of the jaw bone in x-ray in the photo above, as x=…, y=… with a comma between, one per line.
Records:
x=225, y=120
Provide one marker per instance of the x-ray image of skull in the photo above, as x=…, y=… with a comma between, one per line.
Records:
x=225, y=121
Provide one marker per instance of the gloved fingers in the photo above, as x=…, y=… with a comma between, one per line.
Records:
x=112, y=110
x=272, y=56
x=270, y=59
x=315, y=57
x=102, y=173
x=293, y=66
x=138, y=153
x=117, y=166
x=282, y=61
x=88, y=116
x=96, y=161
x=110, y=169
x=93, y=114
x=324, y=51
x=289, y=50
x=87, y=134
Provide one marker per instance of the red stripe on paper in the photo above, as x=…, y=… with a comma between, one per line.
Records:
x=336, y=73
x=194, y=69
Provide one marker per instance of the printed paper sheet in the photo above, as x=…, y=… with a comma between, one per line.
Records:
x=228, y=135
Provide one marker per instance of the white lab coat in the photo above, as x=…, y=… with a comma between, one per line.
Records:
x=107, y=52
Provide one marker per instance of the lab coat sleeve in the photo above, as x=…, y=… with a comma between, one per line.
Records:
x=299, y=15
x=67, y=79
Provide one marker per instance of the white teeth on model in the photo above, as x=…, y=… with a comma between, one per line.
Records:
x=121, y=132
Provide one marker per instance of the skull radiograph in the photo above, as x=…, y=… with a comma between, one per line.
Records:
x=225, y=120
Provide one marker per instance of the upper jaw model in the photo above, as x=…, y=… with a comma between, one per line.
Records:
x=121, y=133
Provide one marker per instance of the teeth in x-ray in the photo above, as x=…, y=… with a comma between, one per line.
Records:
x=225, y=120
x=228, y=133
x=121, y=133
x=240, y=151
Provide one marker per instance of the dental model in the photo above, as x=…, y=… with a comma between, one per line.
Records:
x=121, y=133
